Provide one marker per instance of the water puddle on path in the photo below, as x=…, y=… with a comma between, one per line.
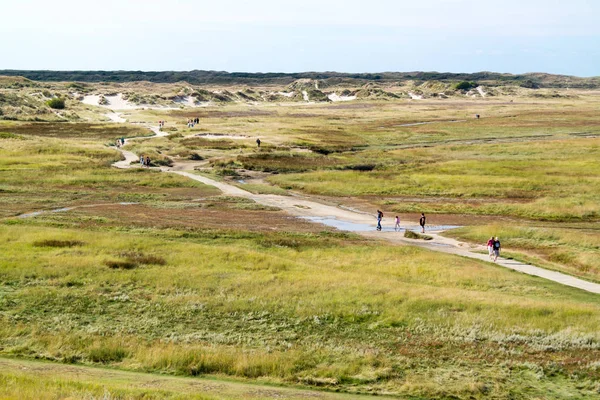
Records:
x=341, y=225
x=356, y=227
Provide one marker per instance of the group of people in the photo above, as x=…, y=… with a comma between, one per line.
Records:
x=493, y=244
x=161, y=123
x=120, y=142
x=494, y=247
x=193, y=122
x=145, y=161
x=397, y=227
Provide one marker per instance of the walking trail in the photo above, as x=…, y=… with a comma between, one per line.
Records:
x=77, y=376
x=344, y=218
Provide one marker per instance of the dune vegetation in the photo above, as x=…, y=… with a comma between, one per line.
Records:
x=145, y=271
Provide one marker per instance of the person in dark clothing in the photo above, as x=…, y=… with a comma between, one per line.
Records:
x=258, y=143
x=379, y=218
x=497, y=247
x=422, y=221
x=147, y=161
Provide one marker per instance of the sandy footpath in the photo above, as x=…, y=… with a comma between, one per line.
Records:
x=361, y=223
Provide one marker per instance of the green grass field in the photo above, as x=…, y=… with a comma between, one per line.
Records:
x=187, y=282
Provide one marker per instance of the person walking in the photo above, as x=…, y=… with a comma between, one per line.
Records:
x=258, y=143
x=497, y=248
x=490, y=246
x=397, y=226
x=142, y=160
x=422, y=221
x=379, y=218
x=147, y=162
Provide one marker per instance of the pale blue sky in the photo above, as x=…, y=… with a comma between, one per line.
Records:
x=306, y=35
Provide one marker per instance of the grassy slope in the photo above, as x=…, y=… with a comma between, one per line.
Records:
x=360, y=317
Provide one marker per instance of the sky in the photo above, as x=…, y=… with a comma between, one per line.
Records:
x=513, y=36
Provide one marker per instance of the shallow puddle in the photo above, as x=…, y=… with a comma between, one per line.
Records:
x=356, y=227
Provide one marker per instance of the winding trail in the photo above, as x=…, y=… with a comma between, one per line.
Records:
x=69, y=375
x=344, y=218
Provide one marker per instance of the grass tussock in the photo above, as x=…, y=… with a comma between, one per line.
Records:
x=58, y=243
x=121, y=264
x=144, y=259
x=414, y=235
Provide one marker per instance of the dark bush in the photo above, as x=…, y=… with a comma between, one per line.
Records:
x=196, y=157
x=56, y=103
x=121, y=264
x=466, y=85
x=58, y=243
x=362, y=167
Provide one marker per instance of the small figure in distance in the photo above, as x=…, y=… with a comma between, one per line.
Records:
x=490, y=246
x=122, y=141
x=397, y=226
x=477, y=116
x=379, y=218
x=142, y=160
x=422, y=221
x=258, y=143
x=147, y=161
x=497, y=247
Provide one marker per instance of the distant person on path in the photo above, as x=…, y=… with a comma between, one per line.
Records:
x=122, y=141
x=477, y=116
x=422, y=221
x=379, y=218
x=147, y=161
x=497, y=248
x=258, y=143
x=397, y=226
x=490, y=246
x=142, y=160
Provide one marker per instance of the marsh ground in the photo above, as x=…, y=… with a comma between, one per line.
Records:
x=187, y=281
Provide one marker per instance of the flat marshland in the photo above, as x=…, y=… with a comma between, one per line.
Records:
x=144, y=271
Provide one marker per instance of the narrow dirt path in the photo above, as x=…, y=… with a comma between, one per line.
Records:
x=58, y=374
x=364, y=224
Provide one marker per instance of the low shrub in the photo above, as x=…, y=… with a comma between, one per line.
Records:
x=466, y=85
x=58, y=243
x=141, y=258
x=195, y=157
x=121, y=264
x=414, y=235
x=56, y=103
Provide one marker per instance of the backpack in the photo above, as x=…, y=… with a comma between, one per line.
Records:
x=496, y=244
